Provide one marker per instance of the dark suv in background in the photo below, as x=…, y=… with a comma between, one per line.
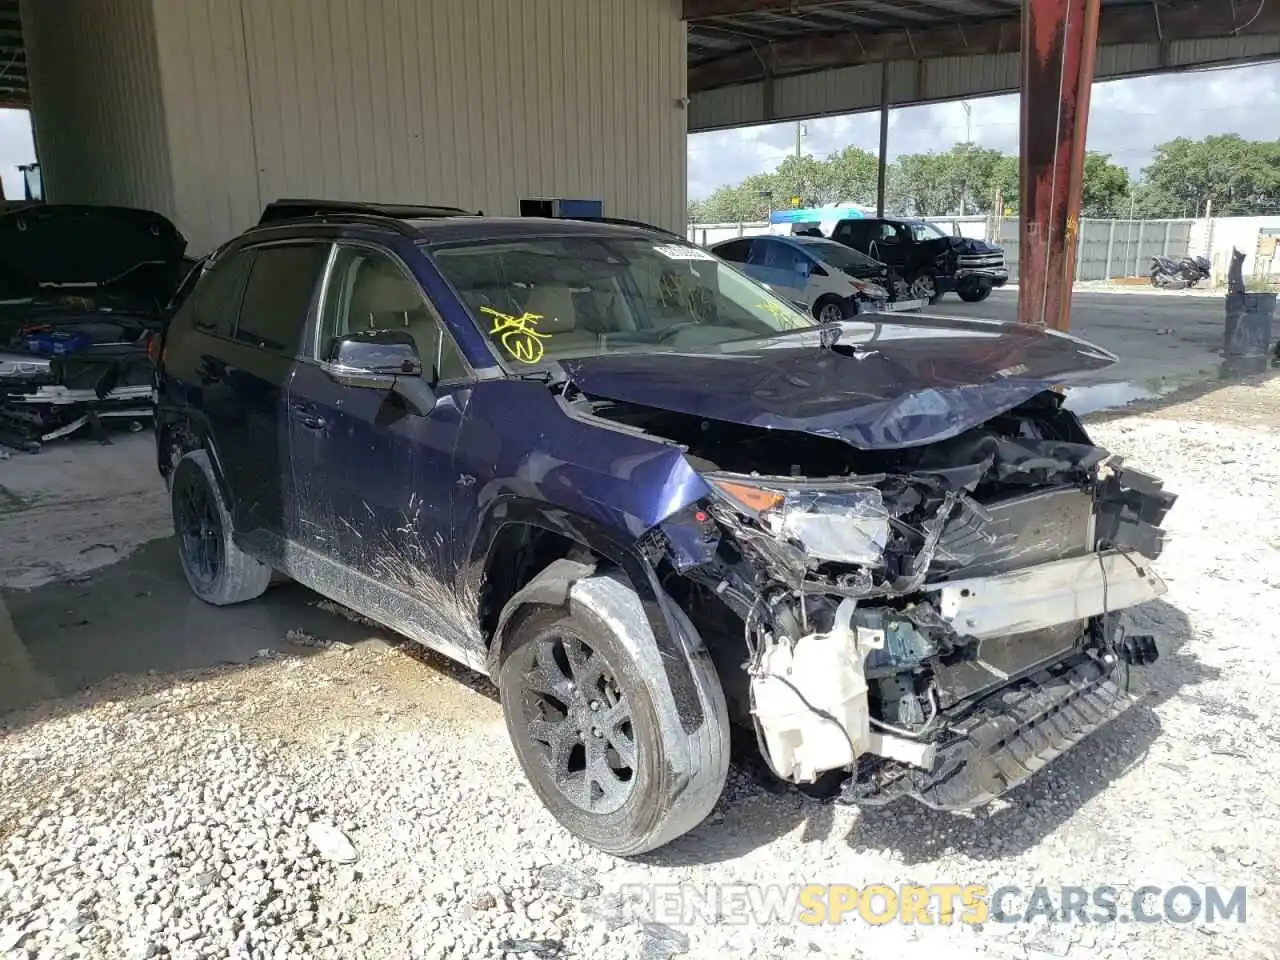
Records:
x=930, y=261
x=649, y=498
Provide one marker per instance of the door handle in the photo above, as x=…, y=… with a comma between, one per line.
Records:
x=307, y=417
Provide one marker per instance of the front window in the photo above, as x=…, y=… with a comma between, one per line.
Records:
x=842, y=258
x=922, y=230
x=541, y=299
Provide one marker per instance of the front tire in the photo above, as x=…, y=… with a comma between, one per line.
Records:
x=974, y=292
x=217, y=570
x=594, y=728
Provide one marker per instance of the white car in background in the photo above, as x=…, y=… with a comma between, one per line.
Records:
x=831, y=281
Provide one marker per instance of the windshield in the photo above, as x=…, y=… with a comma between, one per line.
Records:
x=541, y=299
x=920, y=231
x=841, y=257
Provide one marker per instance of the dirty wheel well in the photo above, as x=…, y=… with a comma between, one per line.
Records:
x=173, y=440
x=517, y=555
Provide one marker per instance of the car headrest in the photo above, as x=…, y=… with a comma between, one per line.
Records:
x=554, y=304
x=381, y=288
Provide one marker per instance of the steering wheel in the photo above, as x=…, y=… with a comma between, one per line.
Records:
x=672, y=332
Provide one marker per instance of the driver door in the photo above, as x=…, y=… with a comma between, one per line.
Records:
x=374, y=474
x=890, y=244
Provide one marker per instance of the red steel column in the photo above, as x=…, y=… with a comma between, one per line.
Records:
x=1059, y=38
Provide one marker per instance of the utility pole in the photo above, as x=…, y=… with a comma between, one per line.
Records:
x=968, y=139
x=800, y=132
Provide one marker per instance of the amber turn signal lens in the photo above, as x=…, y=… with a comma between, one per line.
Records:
x=754, y=499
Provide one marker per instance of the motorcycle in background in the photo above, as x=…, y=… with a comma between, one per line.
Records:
x=1179, y=272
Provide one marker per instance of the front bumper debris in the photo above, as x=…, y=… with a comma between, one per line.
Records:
x=1047, y=595
x=1005, y=739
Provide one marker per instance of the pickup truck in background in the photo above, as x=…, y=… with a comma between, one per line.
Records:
x=930, y=261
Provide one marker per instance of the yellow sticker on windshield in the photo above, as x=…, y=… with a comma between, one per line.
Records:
x=519, y=335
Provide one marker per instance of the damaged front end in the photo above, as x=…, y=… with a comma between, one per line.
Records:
x=43, y=398
x=937, y=622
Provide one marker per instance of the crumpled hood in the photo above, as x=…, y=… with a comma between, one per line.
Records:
x=969, y=245
x=119, y=248
x=883, y=387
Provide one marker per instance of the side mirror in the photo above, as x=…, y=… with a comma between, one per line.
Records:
x=373, y=359
x=382, y=360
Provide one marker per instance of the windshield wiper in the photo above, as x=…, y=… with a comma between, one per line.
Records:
x=556, y=375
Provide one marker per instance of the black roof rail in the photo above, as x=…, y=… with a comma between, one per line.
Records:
x=394, y=224
x=297, y=209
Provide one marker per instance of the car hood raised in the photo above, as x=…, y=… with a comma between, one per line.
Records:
x=48, y=245
x=882, y=387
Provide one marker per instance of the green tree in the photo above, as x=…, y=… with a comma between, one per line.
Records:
x=805, y=179
x=1241, y=177
x=853, y=176
x=1106, y=187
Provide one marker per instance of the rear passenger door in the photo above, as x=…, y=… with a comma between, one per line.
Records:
x=775, y=263
x=254, y=368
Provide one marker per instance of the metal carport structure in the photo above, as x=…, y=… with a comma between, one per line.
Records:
x=759, y=61
x=207, y=109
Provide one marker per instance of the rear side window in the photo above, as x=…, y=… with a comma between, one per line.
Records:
x=211, y=306
x=278, y=295
x=735, y=251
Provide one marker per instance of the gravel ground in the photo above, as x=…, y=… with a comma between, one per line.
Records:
x=362, y=801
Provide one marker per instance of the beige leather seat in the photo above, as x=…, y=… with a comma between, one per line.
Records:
x=385, y=299
x=553, y=303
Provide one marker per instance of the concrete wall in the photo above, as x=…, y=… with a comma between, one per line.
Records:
x=208, y=109
x=97, y=113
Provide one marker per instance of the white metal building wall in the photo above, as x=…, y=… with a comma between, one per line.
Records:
x=473, y=102
x=98, y=113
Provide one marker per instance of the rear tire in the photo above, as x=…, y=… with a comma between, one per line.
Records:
x=831, y=309
x=217, y=570
x=596, y=735
x=924, y=286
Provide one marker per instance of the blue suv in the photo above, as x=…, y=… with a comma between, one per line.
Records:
x=653, y=502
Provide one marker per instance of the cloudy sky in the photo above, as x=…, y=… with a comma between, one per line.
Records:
x=1126, y=119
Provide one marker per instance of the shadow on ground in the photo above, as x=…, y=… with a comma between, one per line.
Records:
x=138, y=619
x=753, y=818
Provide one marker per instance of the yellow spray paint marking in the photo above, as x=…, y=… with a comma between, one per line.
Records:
x=780, y=312
x=519, y=335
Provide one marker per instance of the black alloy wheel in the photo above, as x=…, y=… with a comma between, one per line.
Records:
x=574, y=712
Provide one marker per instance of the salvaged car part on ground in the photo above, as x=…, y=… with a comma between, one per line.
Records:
x=651, y=499
x=82, y=290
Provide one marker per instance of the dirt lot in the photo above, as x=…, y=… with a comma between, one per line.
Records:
x=196, y=782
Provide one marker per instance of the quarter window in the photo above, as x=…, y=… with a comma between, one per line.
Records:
x=211, y=307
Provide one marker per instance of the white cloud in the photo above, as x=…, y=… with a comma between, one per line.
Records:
x=1127, y=118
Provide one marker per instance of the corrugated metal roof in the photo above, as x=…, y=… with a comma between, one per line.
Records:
x=714, y=37
x=13, y=57
x=857, y=88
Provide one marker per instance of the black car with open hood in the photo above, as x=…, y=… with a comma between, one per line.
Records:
x=81, y=290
